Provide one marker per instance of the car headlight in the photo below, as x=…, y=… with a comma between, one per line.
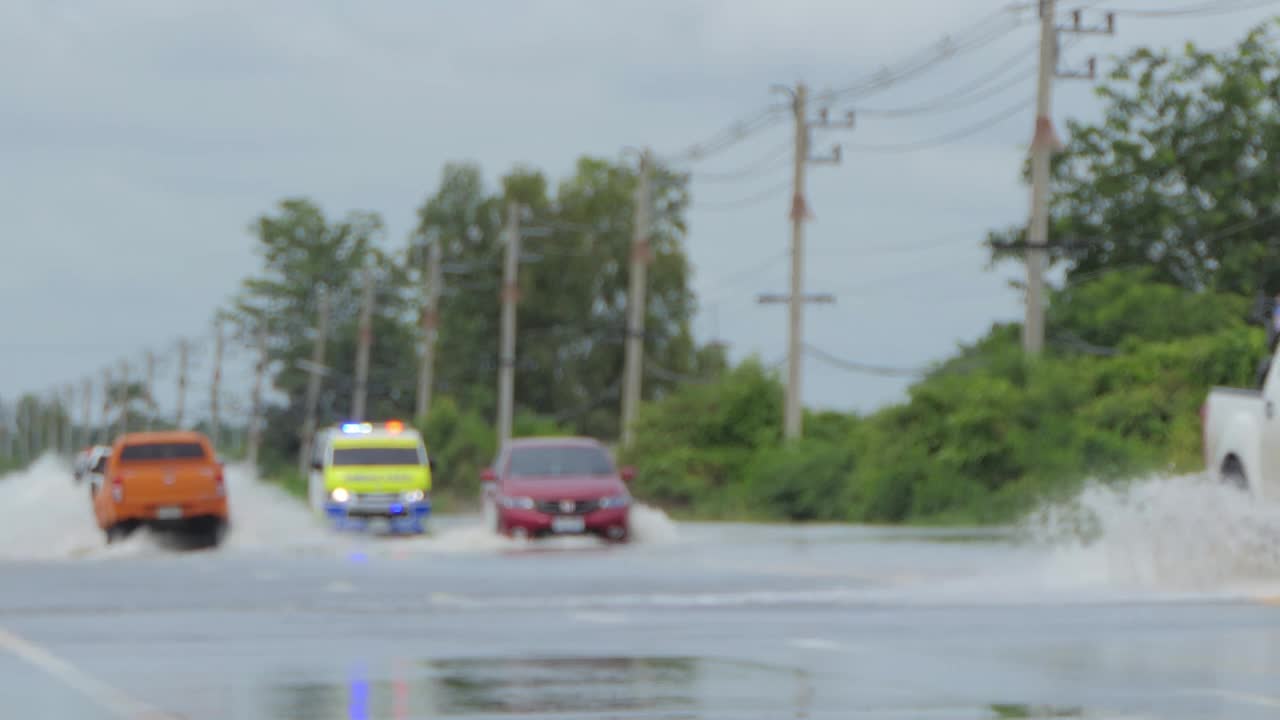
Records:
x=413, y=496
x=615, y=501
x=522, y=503
x=340, y=495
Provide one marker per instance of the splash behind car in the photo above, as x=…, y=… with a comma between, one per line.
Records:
x=557, y=486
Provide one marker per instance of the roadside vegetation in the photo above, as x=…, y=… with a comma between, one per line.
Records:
x=1164, y=223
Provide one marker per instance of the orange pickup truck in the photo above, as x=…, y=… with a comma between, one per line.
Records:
x=166, y=481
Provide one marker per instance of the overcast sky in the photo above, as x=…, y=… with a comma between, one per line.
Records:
x=138, y=139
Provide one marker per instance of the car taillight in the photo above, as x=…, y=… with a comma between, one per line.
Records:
x=220, y=481
x=117, y=488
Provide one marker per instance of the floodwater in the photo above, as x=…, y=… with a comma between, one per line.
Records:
x=1162, y=601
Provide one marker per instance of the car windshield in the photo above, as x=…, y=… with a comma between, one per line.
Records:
x=559, y=461
x=376, y=456
x=163, y=451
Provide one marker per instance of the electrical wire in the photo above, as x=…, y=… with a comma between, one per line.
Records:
x=765, y=163
x=861, y=367
x=955, y=100
x=984, y=124
x=978, y=35
x=984, y=34
x=748, y=201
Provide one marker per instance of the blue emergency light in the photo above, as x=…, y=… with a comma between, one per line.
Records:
x=356, y=428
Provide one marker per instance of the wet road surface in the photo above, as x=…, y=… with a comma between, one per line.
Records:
x=695, y=621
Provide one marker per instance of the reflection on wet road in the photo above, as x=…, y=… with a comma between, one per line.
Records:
x=701, y=621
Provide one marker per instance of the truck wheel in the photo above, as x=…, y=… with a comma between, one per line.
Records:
x=1233, y=475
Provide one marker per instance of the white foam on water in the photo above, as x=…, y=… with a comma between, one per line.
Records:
x=651, y=526
x=45, y=515
x=264, y=515
x=1181, y=534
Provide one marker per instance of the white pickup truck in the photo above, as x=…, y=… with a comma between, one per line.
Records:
x=1242, y=436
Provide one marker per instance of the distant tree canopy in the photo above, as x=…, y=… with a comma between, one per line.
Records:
x=571, y=317
x=1180, y=176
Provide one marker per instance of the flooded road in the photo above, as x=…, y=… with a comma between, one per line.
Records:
x=693, y=621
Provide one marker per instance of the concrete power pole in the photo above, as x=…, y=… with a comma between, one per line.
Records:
x=314, y=371
x=507, y=347
x=794, y=409
x=182, y=384
x=150, y=389
x=215, y=391
x=108, y=438
x=634, y=363
x=122, y=426
x=363, y=346
x=85, y=436
x=1041, y=147
x=67, y=441
x=1043, y=144
x=430, y=324
x=255, y=411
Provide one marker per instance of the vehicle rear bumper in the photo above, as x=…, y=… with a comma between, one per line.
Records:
x=149, y=512
x=614, y=523
x=399, y=517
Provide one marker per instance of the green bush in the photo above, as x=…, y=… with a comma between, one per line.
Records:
x=982, y=438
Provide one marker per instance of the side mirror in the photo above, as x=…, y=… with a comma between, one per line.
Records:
x=487, y=475
x=628, y=474
x=317, y=465
x=431, y=463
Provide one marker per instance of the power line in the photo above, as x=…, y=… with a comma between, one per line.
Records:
x=962, y=97
x=984, y=124
x=979, y=35
x=748, y=201
x=765, y=163
x=861, y=367
x=1201, y=9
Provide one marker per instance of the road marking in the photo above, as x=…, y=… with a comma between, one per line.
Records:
x=599, y=618
x=108, y=698
x=1240, y=697
x=810, y=643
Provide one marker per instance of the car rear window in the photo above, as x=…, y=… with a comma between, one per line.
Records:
x=376, y=456
x=559, y=461
x=163, y=451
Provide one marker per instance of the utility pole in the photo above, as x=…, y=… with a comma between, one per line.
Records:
x=1043, y=144
x=68, y=420
x=149, y=390
x=215, y=391
x=634, y=362
x=85, y=437
x=313, y=379
x=430, y=324
x=51, y=431
x=794, y=410
x=183, y=349
x=255, y=417
x=507, y=348
x=107, y=394
x=122, y=426
x=362, y=348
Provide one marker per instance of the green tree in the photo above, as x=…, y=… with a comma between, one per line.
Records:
x=1179, y=175
x=302, y=252
x=573, y=283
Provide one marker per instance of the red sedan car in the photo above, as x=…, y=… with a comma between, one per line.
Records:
x=557, y=486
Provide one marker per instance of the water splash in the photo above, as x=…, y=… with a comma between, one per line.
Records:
x=1179, y=533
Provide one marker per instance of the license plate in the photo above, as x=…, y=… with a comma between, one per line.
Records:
x=568, y=525
x=379, y=525
x=172, y=512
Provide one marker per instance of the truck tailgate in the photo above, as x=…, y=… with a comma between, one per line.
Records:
x=170, y=483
